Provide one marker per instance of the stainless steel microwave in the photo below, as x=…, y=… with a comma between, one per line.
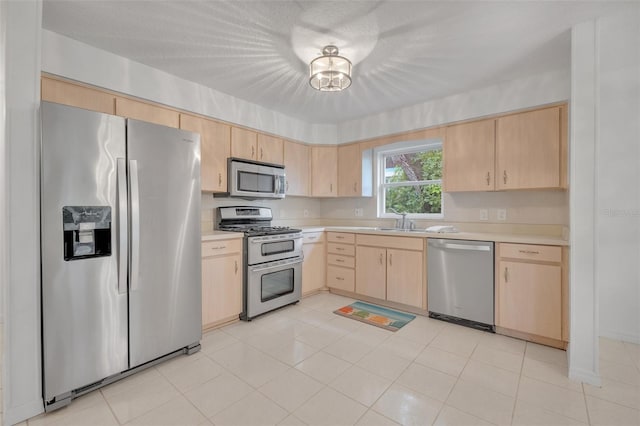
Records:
x=251, y=179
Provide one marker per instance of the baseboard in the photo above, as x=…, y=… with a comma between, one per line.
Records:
x=584, y=376
x=15, y=415
x=616, y=335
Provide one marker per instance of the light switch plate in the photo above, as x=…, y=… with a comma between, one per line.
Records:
x=502, y=214
x=484, y=214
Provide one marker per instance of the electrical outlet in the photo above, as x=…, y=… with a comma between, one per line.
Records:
x=502, y=214
x=305, y=213
x=359, y=212
x=484, y=214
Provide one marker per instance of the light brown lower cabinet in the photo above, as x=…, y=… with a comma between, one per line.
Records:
x=531, y=292
x=341, y=274
x=221, y=281
x=314, y=264
x=387, y=272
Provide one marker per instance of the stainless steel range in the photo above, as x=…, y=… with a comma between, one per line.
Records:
x=272, y=259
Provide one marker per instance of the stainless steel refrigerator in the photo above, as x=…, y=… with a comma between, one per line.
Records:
x=120, y=227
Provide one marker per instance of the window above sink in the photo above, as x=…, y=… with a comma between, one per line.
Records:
x=409, y=179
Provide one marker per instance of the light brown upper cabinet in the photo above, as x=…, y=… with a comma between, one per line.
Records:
x=530, y=150
x=256, y=146
x=244, y=143
x=297, y=163
x=526, y=150
x=349, y=170
x=468, y=153
x=270, y=149
x=147, y=112
x=65, y=93
x=324, y=171
x=215, y=140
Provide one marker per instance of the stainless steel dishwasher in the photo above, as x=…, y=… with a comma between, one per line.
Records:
x=460, y=282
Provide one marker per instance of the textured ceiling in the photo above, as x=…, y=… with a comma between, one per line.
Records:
x=404, y=52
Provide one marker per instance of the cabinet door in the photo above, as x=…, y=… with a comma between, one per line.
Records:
x=528, y=150
x=468, y=153
x=270, y=149
x=214, y=150
x=243, y=143
x=371, y=271
x=313, y=267
x=147, y=112
x=349, y=171
x=221, y=288
x=297, y=164
x=62, y=92
x=404, y=277
x=530, y=298
x=324, y=171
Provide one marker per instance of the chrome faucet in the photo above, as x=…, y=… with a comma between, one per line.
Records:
x=403, y=221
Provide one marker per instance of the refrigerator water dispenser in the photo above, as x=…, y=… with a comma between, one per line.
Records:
x=87, y=231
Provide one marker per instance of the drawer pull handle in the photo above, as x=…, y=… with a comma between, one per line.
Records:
x=355, y=187
x=339, y=249
x=506, y=275
x=529, y=251
x=253, y=152
x=330, y=187
x=219, y=179
x=340, y=260
x=218, y=247
x=339, y=278
x=381, y=258
x=504, y=176
x=236, y=267
x=261, y=154
x=488, y=178
x=390, y=260
x=339, y=237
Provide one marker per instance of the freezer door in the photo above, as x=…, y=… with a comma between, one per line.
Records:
x=84, y=305
x=165, y=309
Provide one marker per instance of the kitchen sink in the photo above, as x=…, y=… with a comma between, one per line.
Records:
x=399, y=229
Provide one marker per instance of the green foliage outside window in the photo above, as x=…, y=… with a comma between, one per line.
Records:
x=413, y=168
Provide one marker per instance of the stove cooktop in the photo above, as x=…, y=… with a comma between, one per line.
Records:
x=259, y=230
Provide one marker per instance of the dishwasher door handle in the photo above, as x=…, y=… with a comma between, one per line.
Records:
x=463, y=247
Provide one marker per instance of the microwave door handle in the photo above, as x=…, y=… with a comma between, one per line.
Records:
x=278, y=184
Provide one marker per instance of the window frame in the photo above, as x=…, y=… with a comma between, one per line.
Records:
x=406, y=147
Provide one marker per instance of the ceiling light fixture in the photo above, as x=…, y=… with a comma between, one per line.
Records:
x=330, y=72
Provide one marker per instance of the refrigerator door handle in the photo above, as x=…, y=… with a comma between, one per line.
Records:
x=123, y=225
x=134, y=202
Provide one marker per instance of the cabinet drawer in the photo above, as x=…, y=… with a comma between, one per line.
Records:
x=406, y=243
x=339, y=260
x=341, y=237
x=220, y=247
x=312, y=237
x=344, y=249
x=341, y=278
x=531, y=252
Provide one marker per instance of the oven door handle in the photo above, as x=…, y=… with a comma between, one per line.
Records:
x=259, y=241
x=277, y=265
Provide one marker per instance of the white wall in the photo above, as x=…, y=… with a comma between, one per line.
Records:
x=21, y=57
x=72, y=59
x=508, y=96
x=605, y=185
x=618, y=175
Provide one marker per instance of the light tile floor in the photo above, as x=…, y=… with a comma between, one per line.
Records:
x=303, y=365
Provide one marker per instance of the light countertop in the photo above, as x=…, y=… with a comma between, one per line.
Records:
x=477, y=236
x=220, y=235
